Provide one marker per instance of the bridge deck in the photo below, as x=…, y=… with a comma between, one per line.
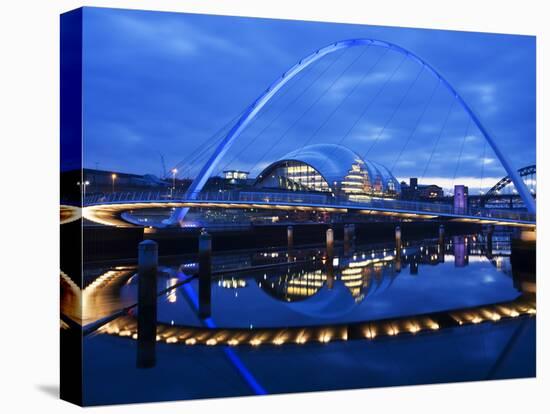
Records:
x=108, y=209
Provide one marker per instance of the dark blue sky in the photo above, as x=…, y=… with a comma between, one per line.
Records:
x=166, y=82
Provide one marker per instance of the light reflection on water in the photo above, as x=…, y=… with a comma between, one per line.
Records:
x=367, y=284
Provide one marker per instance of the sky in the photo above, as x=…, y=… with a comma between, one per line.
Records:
x=164, y=84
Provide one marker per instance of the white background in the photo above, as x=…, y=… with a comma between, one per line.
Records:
x=29, y=135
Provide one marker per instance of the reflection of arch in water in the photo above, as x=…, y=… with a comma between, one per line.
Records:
x=293, y=287
x=309, y=292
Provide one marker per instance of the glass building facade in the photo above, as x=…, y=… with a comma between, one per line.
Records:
x=329, y=168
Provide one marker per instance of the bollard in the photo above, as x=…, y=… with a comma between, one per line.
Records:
x=147, y=303
x=290, y=237
x=205, y=274
x=330, y=243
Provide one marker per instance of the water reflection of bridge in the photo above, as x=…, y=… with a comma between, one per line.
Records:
x=371, y=273
x=363, y=273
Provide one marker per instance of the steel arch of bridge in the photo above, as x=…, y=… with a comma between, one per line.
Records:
x=523, y=172
x=249, y=114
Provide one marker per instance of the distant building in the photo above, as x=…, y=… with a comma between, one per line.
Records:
x=460, y=199
x=101, y=181
x=229, y=180
x=235, y=175
x=415, y=191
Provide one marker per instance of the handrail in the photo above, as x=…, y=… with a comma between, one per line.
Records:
x=305, y=199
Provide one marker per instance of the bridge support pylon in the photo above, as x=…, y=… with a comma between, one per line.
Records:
x=147, y=304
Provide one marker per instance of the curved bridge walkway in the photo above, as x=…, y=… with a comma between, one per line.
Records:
x=109, y=209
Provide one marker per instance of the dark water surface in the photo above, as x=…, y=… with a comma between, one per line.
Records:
x=305, y=288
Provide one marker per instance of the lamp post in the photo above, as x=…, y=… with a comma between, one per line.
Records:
x=83, y=186
x=174, y=172
x=113, y=178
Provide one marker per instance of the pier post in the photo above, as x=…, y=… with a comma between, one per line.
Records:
x=330, y=274
x=330, y=243
x=413, y=266
x=441, y=244
x=460, y=249
x=489, y=246
x=205, y=274
x=346, y=240
x=349, y=238
x=398, y=244
x=397, y=263
x=147, y=303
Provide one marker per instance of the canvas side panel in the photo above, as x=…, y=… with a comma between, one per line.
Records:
x=71, y=206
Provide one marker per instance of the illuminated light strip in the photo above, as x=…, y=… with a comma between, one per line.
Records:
x=107, y=214
x=210, y=336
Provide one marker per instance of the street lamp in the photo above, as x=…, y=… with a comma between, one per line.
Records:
x=113, y=178
x=174, y=172
x=84, y=185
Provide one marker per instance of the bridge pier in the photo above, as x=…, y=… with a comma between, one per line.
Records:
x=349, y=238
x=460, y=250
x=205, y=274
x=330, y=257
x=330, y=243
x=441, y=244
x=413, y=266
x=147, y=303
x=489, y=241
x=441, y=234
x=330, y=274
x=398, y=243
x=523, y=256
x=290, y=237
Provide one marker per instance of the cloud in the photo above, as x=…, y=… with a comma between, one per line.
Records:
x=167, y=81
x=485, y=96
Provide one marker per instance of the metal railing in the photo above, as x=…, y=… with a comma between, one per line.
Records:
x=298, y=199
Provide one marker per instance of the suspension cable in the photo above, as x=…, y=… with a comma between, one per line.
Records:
x=214, y=138
x=364, y=111
x=461, y=149
x=394, y=112
x=292, y=102
x=416, y=125
x=438, y=138
x=482, y=166
x=350, y=92
x=276, y=142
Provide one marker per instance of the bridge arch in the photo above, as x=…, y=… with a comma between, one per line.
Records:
x=503, y=182
x=251, y=112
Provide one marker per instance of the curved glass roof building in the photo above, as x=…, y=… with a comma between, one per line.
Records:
x=329, y=168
